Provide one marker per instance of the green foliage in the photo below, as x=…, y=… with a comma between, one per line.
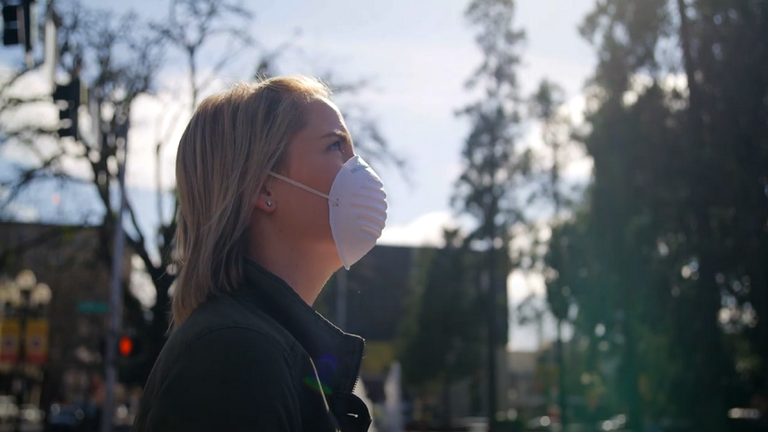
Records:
x=492, y=166
x=547, y=106
x=441, y=340
x=672, y=230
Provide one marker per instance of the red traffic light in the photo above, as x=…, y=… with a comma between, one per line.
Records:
x=125, y=346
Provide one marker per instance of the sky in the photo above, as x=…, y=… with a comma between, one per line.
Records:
x=417, y=56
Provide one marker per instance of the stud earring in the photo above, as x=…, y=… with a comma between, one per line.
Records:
x=269, y=203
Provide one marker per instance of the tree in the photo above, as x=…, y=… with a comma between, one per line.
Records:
x=664, y=244
x=119, y=59
x=546, y=106
x=721, y=44
x=191, y=25
x=440, y=342
x=626, y=137
x=488, y=188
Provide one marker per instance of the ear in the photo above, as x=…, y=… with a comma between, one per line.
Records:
x=265, y=200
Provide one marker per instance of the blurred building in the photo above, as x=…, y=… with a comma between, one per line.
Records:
x=526, y=393
x=370, y=300
x=71, y=260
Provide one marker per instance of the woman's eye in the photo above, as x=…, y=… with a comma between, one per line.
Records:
x=336, y=146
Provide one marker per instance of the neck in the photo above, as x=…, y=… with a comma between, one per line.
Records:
x=297, y=265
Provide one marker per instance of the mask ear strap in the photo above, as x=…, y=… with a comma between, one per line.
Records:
x=299, y=185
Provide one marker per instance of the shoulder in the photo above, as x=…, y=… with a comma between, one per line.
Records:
x=224, y=319
x=234, y=353
x=243, y=375
x=228, y=342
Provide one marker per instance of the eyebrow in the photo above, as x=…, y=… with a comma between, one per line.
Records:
x=337, y=133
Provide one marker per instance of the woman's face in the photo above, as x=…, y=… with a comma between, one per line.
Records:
x=315, y=155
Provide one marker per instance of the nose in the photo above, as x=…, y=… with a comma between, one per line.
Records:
x=348, y=155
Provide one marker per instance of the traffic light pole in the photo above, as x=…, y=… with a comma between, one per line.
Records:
x=115, y=299
x=28, y=31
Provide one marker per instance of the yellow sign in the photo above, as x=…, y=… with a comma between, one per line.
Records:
x=378, y=357
x=36, y=341
x=9, y=340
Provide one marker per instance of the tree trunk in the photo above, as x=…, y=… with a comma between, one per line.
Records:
x=447, y=401
x=491, y=360
x=710, y=348
x=706, y=334
x=562, y=396
x=631, y=376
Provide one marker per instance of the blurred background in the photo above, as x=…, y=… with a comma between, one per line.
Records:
x=578, y=190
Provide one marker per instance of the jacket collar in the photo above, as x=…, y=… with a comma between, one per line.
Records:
x=337, y=355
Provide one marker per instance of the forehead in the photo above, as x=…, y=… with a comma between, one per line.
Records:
x=323, y=116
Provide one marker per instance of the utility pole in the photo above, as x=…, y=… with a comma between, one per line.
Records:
x=116, y=289
x=50, y=47
x=28, y=30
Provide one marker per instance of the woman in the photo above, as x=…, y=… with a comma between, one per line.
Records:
x=273, y=201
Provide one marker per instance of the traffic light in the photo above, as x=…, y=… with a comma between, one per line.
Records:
x=70, y=95
x=128, y=346
x=19, y=24
x=11, y=25
x=125, y=346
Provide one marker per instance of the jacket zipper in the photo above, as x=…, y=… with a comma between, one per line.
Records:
x=328, y=412
x=358, y=377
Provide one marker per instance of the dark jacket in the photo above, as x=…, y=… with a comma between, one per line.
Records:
x=250, y=361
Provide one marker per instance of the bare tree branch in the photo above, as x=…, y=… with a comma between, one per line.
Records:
x=140, y=240
x=219, y=66
x=26, y=177
x=369, y=140
x=193, y=23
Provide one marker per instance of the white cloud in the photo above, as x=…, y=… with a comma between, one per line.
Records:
x=151, y=122
x=23, y=212
x=40, y=112
x=427, y=230
x=160, y=117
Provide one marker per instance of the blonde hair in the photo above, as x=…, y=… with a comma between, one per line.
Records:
x=233, y=140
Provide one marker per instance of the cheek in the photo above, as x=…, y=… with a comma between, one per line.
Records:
x=306, y=217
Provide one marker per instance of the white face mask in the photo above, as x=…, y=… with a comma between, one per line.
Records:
x=358, y=209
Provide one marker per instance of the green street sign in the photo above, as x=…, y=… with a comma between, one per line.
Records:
x=93, y=307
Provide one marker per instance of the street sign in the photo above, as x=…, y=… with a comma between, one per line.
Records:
x=93, y=307
x=9, y=340
x=36, y=341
